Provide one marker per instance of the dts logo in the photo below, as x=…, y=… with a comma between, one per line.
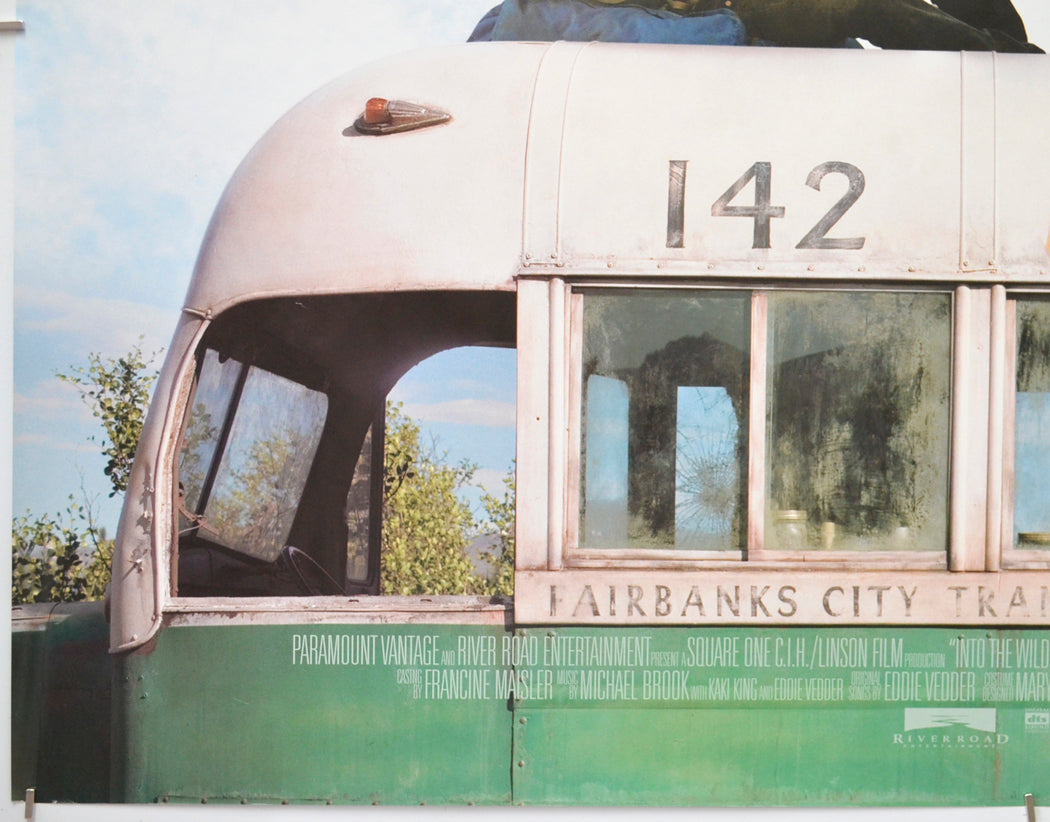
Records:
x=1037, y=720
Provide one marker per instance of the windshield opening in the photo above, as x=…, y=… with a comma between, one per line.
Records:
x=281, y=464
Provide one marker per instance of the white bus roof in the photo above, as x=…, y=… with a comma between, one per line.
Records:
x=557, y=157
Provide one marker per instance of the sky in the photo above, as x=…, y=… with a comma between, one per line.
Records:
x=130, y=117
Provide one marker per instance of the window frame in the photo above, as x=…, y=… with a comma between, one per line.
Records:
x=550, y=389
x=1004, y=339
x=474, y=317
x=969, y=584
x=180, y=609
x=754, y=553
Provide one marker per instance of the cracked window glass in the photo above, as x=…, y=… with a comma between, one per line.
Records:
x=664, y=420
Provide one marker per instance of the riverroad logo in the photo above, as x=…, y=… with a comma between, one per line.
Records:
x=950, y=728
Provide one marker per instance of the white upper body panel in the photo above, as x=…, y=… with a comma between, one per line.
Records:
x=559, y=155
x=311, y=210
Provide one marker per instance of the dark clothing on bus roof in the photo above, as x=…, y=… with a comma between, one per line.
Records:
x=890, y=24
x=577, y=20
x=951, y=25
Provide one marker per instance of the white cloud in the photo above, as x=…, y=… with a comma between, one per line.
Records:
x=53, y=417
x=108, y=326
x=131, y=117
x=51, y=398
x=32, y=439
x=174, y=93
x=1036, y=16
x=491, y=481
x=38, y=441
x=464, y=412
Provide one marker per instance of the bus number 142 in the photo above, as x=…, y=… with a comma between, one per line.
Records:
x=762, y=210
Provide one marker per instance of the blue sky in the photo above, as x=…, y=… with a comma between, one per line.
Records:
x=130, y=117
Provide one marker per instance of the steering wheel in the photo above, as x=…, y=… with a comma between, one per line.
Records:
x=312, y=578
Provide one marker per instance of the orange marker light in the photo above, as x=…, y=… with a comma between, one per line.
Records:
x=382, y=116
x=377, y=110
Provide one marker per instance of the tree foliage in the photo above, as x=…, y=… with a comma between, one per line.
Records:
x=118, y=391
x=67, y=557
x=59, y=559
x=426, y=527
x=500, y=511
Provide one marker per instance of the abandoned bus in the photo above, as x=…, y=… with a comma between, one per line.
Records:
x=782, y=335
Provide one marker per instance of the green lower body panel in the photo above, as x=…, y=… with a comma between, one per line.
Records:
x=27, y=690
x=308, y=714
x=775, y=717
x=60, y=705
x=751, y=757
x=585, y=716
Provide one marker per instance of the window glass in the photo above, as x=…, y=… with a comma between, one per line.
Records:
x=856, y=412
x=606, y=470
x=707, y=468
x=858, y=421
x=216, y=384
x=664, y=419
x=358, y=515
x=1032, y=426
x=264, y=439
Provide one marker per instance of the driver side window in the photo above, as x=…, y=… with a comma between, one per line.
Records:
x=249, y=444
x=247, y=450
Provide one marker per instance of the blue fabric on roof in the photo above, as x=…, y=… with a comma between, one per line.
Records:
x=483, y=30
x=577, y=20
